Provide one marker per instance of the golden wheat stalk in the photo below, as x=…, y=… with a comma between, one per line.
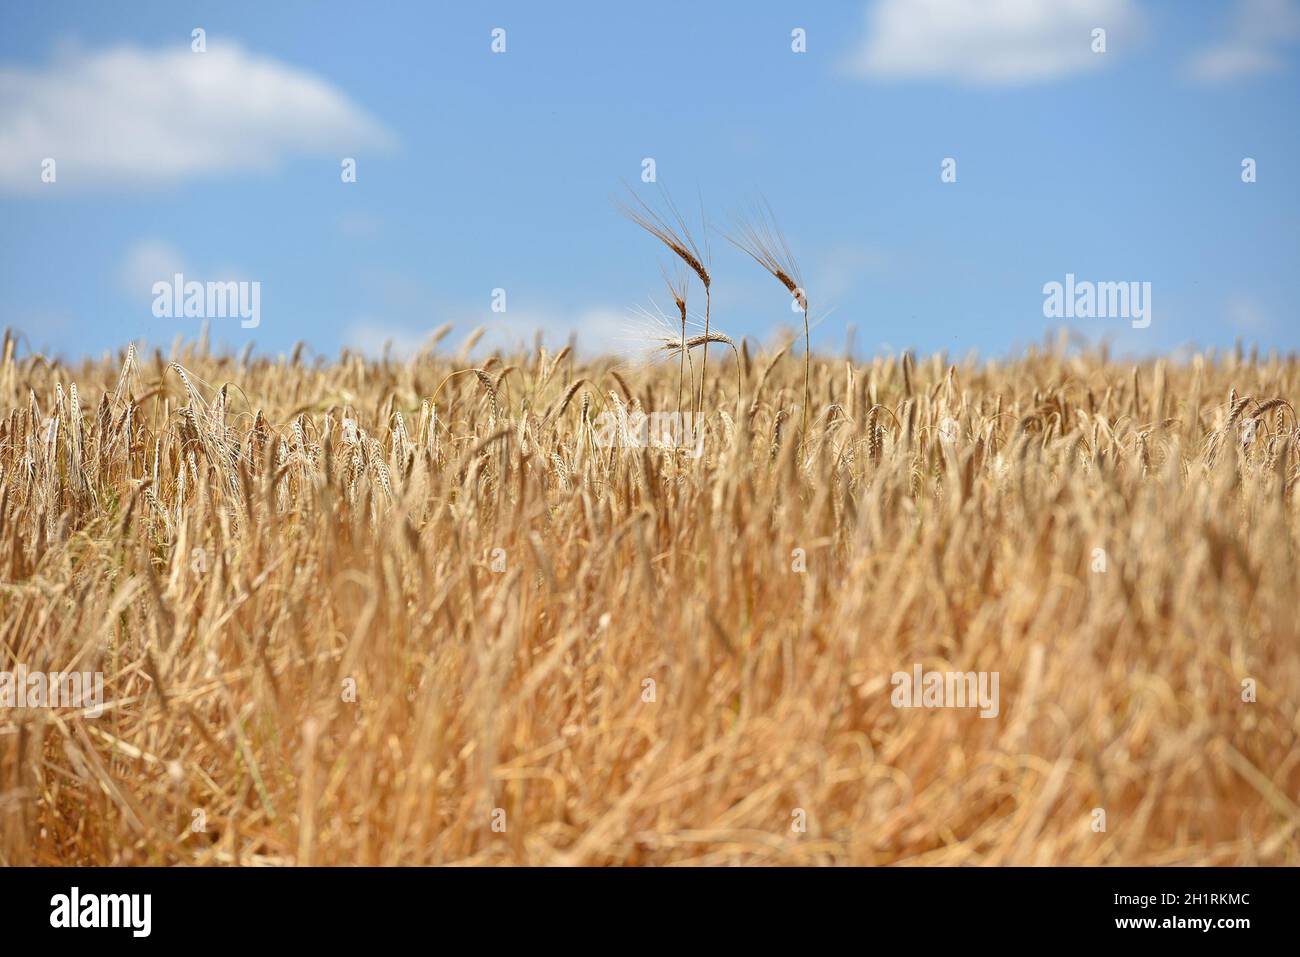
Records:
x=758, y=235
x=671, y=230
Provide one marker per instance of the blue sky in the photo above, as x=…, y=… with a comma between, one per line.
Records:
x=478, y=171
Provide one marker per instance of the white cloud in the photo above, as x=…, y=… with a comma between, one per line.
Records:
x=147, y=262
x=988, y=42
x=1246, y=316
x=128, y=116
x=370, y=337
x=598, y=330
x=1253, y=44
x=1231, y=62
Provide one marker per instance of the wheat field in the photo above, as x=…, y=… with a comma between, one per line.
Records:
x=368, y=611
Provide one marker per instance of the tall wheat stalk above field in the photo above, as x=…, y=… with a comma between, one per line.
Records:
x=671, y=230
x=678, y=286
x=760, y=237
